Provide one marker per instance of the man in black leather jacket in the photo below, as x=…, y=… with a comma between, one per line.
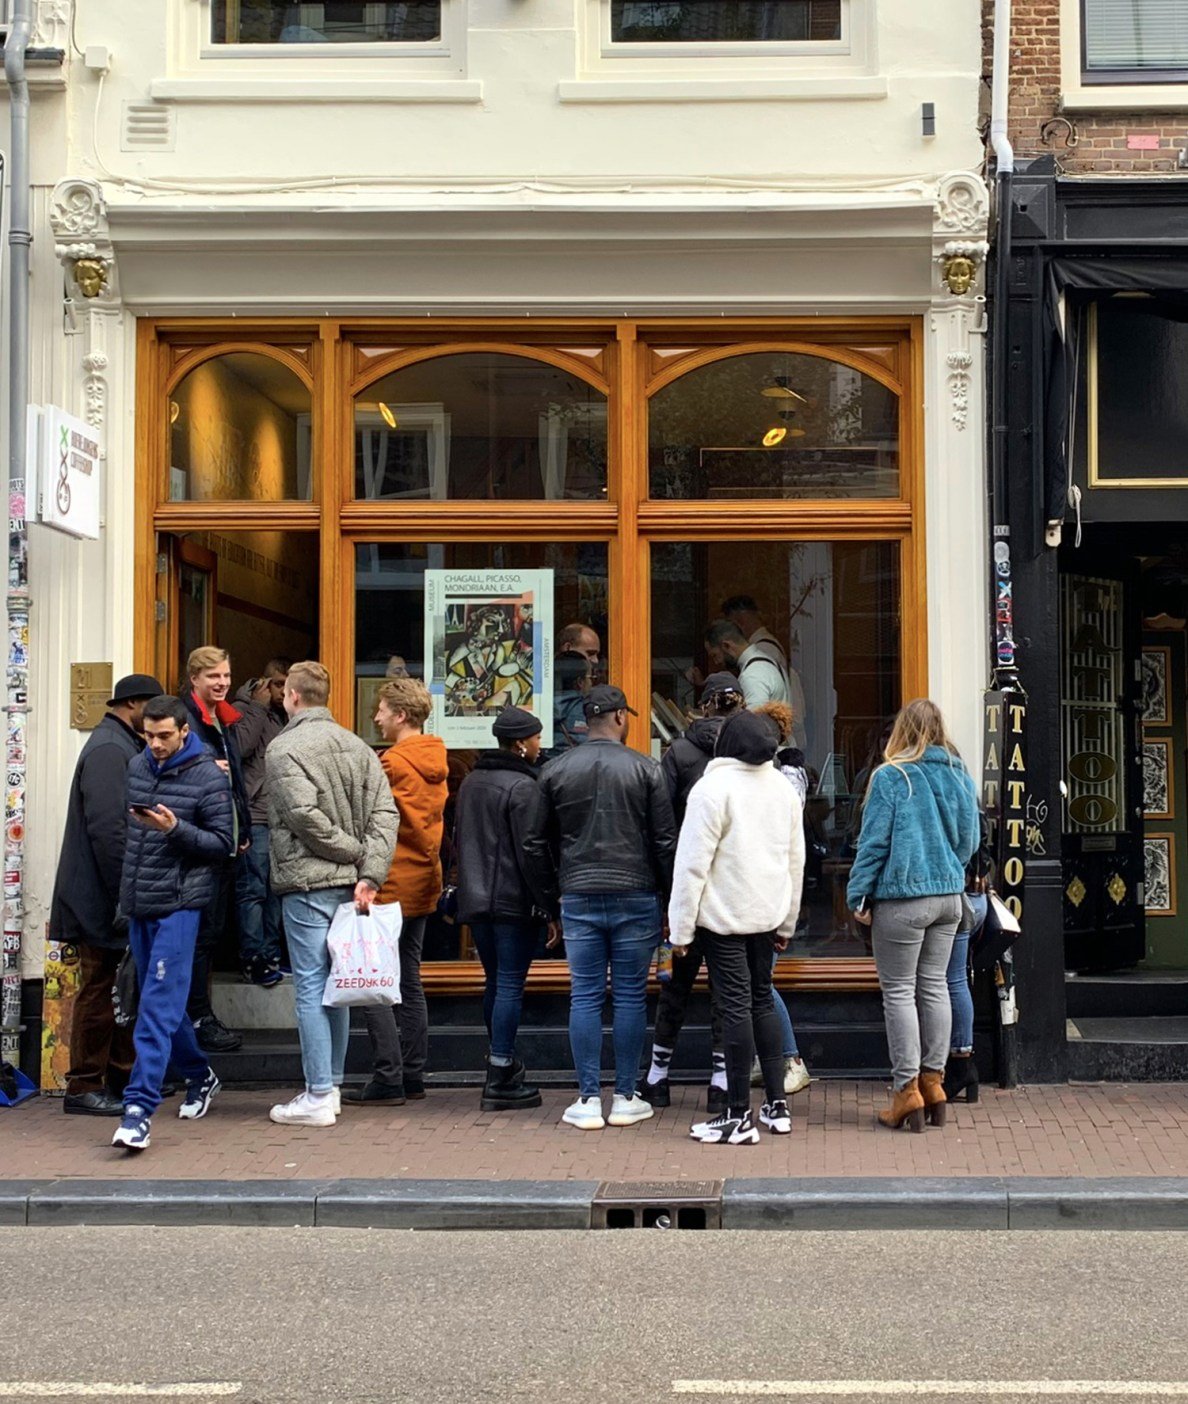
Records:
x=606, y=816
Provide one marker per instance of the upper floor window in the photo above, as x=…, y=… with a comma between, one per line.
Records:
x=327, y=22
x=1134, y=41
x=725, y=21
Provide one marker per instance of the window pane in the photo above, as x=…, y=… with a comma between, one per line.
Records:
x=818, y=627
x=240, y=430
x=1131, y=34
x=724, y=21
x=330, y=22
x=1142, y=392
x=774, y=424
x=391, y=604
x=480, y=425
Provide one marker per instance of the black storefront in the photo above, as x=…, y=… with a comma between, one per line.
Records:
x=1096, y=360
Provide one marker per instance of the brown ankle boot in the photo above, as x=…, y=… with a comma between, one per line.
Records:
x=933, y=1091
x=907, y=1105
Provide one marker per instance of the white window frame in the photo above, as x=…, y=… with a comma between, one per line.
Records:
x=1078, y=96
x=613, y=72
x=200, y=70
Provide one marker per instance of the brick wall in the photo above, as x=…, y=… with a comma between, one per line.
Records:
x=1101, y=139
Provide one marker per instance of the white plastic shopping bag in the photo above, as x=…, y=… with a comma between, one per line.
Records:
x=364, y=956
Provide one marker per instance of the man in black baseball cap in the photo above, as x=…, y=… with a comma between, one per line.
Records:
x=86, y=891
x=607, y=810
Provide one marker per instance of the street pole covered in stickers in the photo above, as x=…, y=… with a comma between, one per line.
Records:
x=17, y=671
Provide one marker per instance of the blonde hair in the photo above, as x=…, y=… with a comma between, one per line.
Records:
x=918, y=725
x=407, y=695
x=204, y=658
x=780, y=713
x=310, y=681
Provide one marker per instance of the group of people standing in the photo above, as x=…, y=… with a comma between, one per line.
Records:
x=181, y=801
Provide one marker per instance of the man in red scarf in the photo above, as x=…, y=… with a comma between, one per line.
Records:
x=213, y=719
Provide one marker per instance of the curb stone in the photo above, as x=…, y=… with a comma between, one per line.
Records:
x=806, y=1204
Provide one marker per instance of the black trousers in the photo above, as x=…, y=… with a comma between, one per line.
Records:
x=740, y=972
x=101, y=1051
x=673, y=1004
x=210, y=929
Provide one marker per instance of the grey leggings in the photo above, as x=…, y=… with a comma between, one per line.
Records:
x=912, y=942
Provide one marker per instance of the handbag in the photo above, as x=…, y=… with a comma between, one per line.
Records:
x=364, y=956
x=998, y=933
x=125, y=992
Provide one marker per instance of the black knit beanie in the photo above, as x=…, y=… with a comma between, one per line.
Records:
x=747, y=737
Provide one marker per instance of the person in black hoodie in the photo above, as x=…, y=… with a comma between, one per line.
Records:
x=212, y=720
x=683, y=765
x=504, y=892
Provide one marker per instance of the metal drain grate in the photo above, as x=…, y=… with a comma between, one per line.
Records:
x=663, y=1204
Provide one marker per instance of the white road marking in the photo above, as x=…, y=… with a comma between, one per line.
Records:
x=841, y=1389
x=79, y=1389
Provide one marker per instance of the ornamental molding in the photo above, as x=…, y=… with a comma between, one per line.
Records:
x=51, y=24
x=962, y=205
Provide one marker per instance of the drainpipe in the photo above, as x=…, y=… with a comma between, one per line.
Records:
x=17, y=675
x=1008, y=813
x=1004, y=167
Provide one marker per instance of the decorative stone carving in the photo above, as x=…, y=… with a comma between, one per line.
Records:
x=51, y=24
x=78, y=210
x=960, y=260
x=959, y=363
x=962, y=204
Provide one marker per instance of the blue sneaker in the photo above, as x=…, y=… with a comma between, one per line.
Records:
x=198, y=1097
x=133, y=1132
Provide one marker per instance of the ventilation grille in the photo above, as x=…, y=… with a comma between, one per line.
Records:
x=148, y=126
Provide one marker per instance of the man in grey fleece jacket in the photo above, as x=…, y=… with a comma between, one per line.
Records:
x=332, y=823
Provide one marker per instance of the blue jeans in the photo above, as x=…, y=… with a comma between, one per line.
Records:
x=323, y=1032
x=787, y=1032
x=619, y=930
x=259, y=909
x=163, y=950
x=960, y=995
x=506, y=949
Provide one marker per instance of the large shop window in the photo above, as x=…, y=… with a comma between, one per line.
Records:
x=1134, y=41
x=480, y=425
x=514, y=511
x=327, y=22
x=816, y=627
x=724, y=21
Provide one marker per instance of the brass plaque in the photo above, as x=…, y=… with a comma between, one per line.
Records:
x=90, y=687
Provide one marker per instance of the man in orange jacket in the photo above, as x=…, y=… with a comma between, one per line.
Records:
x=416, y=767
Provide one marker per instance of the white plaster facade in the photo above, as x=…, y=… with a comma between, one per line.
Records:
x=519, y=168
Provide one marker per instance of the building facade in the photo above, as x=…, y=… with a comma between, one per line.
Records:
x=619, y=310
x=1095, y=357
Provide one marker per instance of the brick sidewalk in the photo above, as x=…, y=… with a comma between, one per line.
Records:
x=1115, y=1129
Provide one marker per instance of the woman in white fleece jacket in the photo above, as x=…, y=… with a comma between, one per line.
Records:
x=738, y=878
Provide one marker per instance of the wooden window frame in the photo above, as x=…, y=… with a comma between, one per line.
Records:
x=631, y=359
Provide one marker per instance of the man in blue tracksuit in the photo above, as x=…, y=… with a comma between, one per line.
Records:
x=180, y=832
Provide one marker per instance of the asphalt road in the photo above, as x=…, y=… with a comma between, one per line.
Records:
x=274, y=1315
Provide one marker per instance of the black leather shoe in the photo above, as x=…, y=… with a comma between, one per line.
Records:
x=92, y=1104
x=657, y=1094
x=215, y=1037
x=506, y=1090
x=372, y=1092
x=414, y=1088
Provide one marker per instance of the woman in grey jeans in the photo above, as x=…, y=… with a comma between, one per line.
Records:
x=919, y=830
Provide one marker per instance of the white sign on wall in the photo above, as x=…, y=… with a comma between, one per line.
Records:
x=65, y=452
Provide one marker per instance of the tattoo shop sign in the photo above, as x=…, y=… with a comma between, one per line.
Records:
x=63, y=461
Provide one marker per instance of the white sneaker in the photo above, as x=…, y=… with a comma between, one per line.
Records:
x=626, y=1111
x=336, y=1100
x=305, y=1110
x=586, y=1114
x=776, y=1117
x=796, y=1076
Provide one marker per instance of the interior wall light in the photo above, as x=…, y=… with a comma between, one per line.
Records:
x=779, y=389
x=388, y=417
x=174, y=411
x=775, y=436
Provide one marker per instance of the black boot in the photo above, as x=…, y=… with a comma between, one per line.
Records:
x=961, y=1078
x=506, y=1090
